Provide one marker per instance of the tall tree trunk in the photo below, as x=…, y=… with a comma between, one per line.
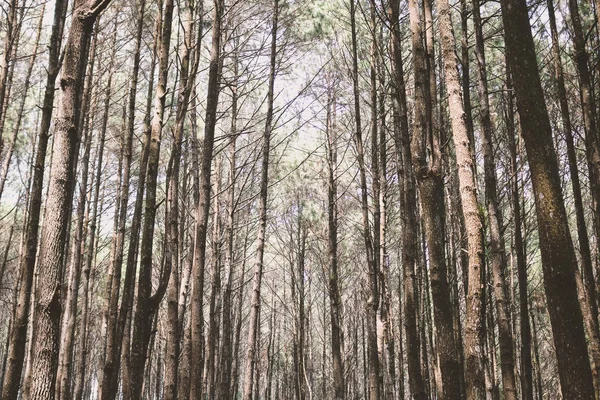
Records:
x=333, y=276
x=525, y=328
x=203, y=204
x=16, y=349
x=111, y=353
x=146, y=302
x=7, y=60
x=558, y=255
x=372, y=302
x=475, y=383
x=430, y=179
x=60, y=195
x=588, y=288
x=494, y=214
x=173, y=249
x=20, y=112
x=225, y=377
x=592, y=145
x=253, y=330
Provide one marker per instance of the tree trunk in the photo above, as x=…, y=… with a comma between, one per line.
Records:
x=16, y=349
x=112, y=343
x=58, y=203
x=333, y=277
x=203, y=204
x=372, y=303
x=558, y=256
x=475, y=383
x=494, y=214
x=146, y=302
x=253, y=330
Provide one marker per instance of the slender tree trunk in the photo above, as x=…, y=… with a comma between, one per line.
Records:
x=372, y=303
x=525, y=328
x=587, y=288
x=6, y=61
x=474, y=324
x=111, y=346
x=20, y=113
x=173, y=246
x=16, y=350
x=333, y=277
x=253, y=330
x=203, y=206
x=558, y=256
x=225, y=376
x=146, y=302
x=497, y=247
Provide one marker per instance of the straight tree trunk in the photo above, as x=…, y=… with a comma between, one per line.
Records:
x=203, y=206
x=146, y=302
x=225, y=377
x=20, y=112
x=333, y=277
x=587, y=287
x=475, y=383
x=253, y=330
x=494, y=214
x=558, y=255
x=173, y=249
x=17, y=345
x=525, y=328
x=430, y=179
x=60, y=195
x=372, y=303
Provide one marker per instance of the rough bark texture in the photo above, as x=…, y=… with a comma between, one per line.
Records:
x=558, y=256
x=16, y=349
x=58, y=203
x=494, y=216
x=473, y=349
x=146, y=302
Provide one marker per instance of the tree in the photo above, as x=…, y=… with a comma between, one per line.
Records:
x=558, y=255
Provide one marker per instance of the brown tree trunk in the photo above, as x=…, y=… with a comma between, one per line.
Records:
x=525, y=328
x=16, y=350
x=203, y=204
x=146, y=302
x=225, y=375
x=173, y=249
x=494, y=214
x=333, y=277
x=588, y=288
x=372, y=302
x=253, y=330
x=58, y=203
x=117, y=316
x=20, y=112
x=558, y=256
x=475, y=383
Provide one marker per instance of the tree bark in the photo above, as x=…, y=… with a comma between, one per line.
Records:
x=558, y=256
x=16, y=350
x=253, y=330
x=494, y=214
x=475, y=383
x=146, y=302
x=58, y=203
